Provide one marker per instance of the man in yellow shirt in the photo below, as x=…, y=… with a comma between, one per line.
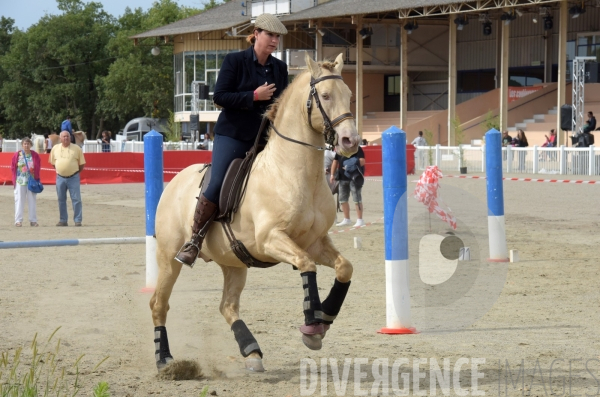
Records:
x=68, y=161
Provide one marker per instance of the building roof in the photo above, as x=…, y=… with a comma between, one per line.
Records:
x=341, y=8
x=222, y=17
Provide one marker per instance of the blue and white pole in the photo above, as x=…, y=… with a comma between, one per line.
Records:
x=153, y=178
x=495, y=196
x=395, y=213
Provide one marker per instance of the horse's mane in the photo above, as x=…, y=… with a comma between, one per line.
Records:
x=271, y=112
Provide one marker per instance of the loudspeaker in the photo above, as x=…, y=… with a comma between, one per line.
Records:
x=566, y=118
x=194, y=122
x=592, y=72
x=203, y=91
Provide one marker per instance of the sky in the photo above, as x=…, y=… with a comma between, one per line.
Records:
x=27, y=12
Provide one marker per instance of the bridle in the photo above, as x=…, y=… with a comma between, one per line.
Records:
x=328, y=124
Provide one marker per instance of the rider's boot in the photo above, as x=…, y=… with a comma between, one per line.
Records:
x=205, y=212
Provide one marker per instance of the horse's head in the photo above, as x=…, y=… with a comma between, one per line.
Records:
x=331, y=104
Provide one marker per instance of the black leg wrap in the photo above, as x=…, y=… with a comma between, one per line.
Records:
x=312, y=303
x=162, y=353
x=245, y=339
x=333, y=303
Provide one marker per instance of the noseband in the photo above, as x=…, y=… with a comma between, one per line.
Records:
x=328, y=124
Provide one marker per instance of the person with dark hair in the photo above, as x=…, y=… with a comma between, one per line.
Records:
x=25, y=164
x=67, y=126
x=350, y=173
x=105, y=141
x=249, y=81
x=521, y=141
x=590, y=125
x=47, y=143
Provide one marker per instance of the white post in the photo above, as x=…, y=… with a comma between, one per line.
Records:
x=438, y=156
x=483, y=158
x=562, y=160
x=509, y=158
x=592, y=162
x=535, y=159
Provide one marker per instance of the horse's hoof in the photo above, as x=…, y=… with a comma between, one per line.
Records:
x=254, y=365
x=325, y=328
x=161, y=364
x=313, y=342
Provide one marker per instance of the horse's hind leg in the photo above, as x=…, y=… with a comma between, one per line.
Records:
x=326, y=254
x=234, y=280
x=169, y=270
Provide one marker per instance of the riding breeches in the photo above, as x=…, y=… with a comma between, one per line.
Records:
x=225, y=150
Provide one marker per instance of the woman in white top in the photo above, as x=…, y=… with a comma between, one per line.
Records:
x=47, y=144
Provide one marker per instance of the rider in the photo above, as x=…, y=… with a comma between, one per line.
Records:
x=249, y=81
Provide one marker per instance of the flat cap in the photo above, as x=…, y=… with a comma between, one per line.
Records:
x=270, y=23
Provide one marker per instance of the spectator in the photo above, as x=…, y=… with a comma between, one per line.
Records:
x=506, y=139
x=25, y=164
x=364, y=142
x=66, y=126
x=105, y=141
x=1, y=140
x=550, y=141
x=47, y=143
x=329, y=157
x=419, y=141
x=68, y=161
x=350, y=173
x=521, y=141
x=590, y=125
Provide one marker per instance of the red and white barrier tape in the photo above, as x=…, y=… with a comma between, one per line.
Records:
x=354, y=228
x=512, y=179
x=528, y=179
x=107, y=169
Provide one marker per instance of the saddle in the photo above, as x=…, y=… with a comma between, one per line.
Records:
x=232, y=193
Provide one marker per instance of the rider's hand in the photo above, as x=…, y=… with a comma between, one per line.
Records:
x=264, y=92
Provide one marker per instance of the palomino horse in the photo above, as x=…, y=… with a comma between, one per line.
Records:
x=285, y=215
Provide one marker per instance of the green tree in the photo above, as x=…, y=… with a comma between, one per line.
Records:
x=52, y=68
x=7, y=27
x=138, y=83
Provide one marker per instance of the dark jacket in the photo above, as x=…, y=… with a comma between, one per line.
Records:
x=241, y=115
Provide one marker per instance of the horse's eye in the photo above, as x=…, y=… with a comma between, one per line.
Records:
x=325, y=96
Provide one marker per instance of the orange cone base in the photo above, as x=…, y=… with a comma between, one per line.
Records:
x=498, y=260
x=147, y=290
x=397, y=331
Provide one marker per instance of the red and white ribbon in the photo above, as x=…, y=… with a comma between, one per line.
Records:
x=426, y=192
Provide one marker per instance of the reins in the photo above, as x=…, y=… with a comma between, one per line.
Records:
x=328, y=124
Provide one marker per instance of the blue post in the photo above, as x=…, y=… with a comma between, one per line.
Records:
x=153, y=178
x=495, y=196
x=395, y=213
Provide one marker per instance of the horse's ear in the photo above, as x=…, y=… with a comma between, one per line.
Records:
x=312, y=66
x=339, y=63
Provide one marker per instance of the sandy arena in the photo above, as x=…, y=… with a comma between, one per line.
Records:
x=548, y=308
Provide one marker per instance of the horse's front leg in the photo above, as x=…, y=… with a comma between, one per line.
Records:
x=325, y=253
x=281, y=247
x=234, y=281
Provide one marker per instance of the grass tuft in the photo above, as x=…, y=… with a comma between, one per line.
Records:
x=37, y=372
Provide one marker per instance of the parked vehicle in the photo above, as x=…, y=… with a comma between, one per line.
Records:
x=136, y=128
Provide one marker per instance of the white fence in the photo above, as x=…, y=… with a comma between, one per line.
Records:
x=530, y=160
x=115, y=146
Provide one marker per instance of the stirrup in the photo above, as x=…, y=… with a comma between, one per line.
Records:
x=188, y=244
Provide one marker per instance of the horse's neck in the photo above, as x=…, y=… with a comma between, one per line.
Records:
x=293, y=159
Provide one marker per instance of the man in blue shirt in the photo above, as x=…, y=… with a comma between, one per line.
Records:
x=66, y=126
